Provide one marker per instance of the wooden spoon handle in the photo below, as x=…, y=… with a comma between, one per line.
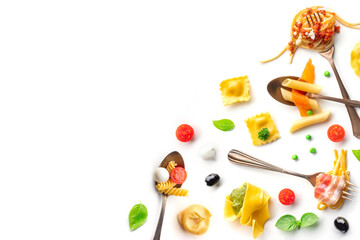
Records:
x=349, y=102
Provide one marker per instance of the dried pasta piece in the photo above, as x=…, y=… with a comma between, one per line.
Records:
x=195, y=219
x=258, y=122
x=235, y=90
x=310, y=120
x=171, y=165
x=161, y=187
x=254, y=210
x=355, y=59
x=176, y=192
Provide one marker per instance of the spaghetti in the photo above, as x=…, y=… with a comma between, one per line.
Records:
x=313, y=28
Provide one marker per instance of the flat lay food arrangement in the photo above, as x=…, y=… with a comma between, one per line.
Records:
x=249, y=205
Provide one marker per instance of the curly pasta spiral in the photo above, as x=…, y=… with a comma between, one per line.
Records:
x=171, y=165
x=176, y=192
x=161, y=187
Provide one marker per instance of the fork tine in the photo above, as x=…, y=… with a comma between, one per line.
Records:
x=308, y=21
x=349, y=194
x=351, y=184
x=312, y=20
x=346, y=198
x=316, y=19
x=350, y=189
x=319, y=16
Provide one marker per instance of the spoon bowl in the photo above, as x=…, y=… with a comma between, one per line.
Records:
x=177, y=158
x=274, y=87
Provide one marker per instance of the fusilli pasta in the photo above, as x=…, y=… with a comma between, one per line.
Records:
x=171, y=165
x=176, y=192
x=161, y=187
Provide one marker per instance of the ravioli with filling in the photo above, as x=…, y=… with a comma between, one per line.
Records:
x=235, y=90
x=254, y=211
x=258, y=122
x=355, y=59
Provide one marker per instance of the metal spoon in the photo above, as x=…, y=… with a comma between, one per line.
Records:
x=177, y=158
x=274, y=87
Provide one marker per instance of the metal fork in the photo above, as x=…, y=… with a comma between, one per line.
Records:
x=244, y=159
x=316, y=18
x=329, y=54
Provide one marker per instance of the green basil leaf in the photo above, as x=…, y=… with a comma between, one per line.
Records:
x=308, y=219
x=224, y=124
x=287, y=223
x=356, y=154
x=137, y=216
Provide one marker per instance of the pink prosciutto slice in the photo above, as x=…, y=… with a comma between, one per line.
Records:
x=329, y=189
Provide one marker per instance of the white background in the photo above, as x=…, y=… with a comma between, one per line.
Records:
x=91, y=94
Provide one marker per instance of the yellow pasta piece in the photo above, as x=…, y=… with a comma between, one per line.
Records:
x=171, y=165
x=235, y=90
x=256, y=123
x=355, y=59
x=176, y=192
x=255, y=210
x=161, y=187
x=195, y=219
x=310, y=120
x=302, y=86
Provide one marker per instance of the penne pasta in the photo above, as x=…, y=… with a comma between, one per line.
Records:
x=302, y=86
x=288, y=97
x=307, y=121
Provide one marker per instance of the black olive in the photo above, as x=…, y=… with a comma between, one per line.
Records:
x=341, y=224
x=212, y=179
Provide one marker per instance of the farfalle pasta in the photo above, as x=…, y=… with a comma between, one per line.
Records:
x=249, y=204
x=259, y=122
x=235, y=90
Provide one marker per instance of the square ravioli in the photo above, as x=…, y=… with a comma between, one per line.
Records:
x=235, y=90
x=258, y=122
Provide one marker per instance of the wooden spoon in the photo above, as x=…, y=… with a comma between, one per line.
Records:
x=177, y=158
x=274, y=87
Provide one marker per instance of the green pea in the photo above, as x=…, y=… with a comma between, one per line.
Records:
x=313, y=150
x=310, y=112
x=294, y=157
x=327, y=74
x=308, y=137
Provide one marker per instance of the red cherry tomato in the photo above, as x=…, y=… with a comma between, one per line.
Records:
x=178, y=175
x=286, y=196
x=336, y=133
x=184, y=133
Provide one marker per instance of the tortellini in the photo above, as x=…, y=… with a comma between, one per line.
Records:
x=355, y=59
x=195, y=219
x=235, y=90
x=254, y=211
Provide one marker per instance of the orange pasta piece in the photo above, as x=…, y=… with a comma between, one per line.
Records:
x=301, y=101
x=308, y=74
